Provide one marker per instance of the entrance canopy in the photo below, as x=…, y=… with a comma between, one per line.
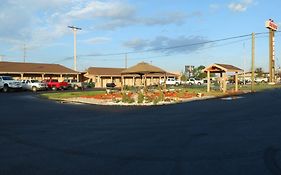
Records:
x=222, y=69
x=143, y=69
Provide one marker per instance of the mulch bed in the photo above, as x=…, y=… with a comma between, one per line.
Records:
x=150, y=95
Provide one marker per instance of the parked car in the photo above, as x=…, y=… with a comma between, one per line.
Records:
x=261, y=80
x=194, y=81
x=55, y=84
x=76, y=84
x=110, y=85
x=171, y=81
x=33, y=85
x=7, y=83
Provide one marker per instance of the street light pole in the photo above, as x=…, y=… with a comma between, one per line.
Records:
x=74, y=29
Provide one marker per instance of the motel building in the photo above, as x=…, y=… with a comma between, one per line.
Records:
x=102, y=75
x=39, y=71
x=98, y=75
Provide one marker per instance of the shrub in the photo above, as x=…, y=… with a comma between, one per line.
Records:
x=127, y=99
x=115, y=100
x=148, y=99
x=156, y=100
x=161, y=96
x=140, y=98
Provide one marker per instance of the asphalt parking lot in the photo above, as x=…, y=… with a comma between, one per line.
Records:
x=240, y=136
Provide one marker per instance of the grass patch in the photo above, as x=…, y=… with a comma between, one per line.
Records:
x=257, y=87
x=215, y=89
x=62, y=95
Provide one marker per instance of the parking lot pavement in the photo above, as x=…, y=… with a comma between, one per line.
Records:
x=240, y=136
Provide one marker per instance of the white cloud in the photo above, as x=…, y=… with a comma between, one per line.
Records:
x=214, y=7
x=176, y=18
x=240, y=6
x=31, y=21
x=102, y=9
x=136, y=44
x=38, y=23
x=181, y=44
x=96, y=40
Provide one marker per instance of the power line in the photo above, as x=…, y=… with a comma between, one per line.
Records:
x=175, y=47
x=165, y=55
x=168, y=48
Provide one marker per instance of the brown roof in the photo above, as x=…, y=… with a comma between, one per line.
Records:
x=229, y=67
x=105, y=71
x=18, y=67
x=143, y=68
x=216, y=68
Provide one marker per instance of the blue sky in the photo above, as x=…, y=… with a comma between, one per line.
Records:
x=135, y=26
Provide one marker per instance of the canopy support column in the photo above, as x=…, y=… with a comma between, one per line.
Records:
x=236, y=81
x=165, y=78
x=208, y=81
x=224, y=82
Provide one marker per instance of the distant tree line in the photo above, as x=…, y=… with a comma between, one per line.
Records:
x=197, y=72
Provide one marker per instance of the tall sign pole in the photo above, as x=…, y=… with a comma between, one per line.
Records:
x=253, y=62
x=74, y=29
x=272, y=28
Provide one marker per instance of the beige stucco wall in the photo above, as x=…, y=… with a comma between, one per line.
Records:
x=100, y=81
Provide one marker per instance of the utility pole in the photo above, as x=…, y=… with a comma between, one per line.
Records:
x=74, y=29
x=253, y=62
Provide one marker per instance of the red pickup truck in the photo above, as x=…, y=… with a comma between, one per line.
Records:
x=55, y=84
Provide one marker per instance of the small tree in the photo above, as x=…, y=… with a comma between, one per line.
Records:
x=183, y=76
x=198, y=72
x=259, y=72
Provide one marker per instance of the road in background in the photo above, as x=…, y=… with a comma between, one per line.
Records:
x=240, y=136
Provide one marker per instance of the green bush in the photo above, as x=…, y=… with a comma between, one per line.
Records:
x=156, y=100
x=130, y=88
x=148, y=99
x=140, y=98
x=127, y=99
x=90, y=85
x=162, y=96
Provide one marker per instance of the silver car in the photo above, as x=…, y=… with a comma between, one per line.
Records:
x=34, y=85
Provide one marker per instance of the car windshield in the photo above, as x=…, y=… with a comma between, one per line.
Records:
x=34, y=81
x=7, y=78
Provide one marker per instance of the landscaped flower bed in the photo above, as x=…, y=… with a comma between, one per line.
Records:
x=140, y=98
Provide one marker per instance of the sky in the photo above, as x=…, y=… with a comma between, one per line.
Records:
x=166, y=33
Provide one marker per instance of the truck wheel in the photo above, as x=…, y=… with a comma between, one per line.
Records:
x=262, y=81
x=34, y=88
x=76, y=87
x=199, y=83
x=5, y=88
x=54, y=88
